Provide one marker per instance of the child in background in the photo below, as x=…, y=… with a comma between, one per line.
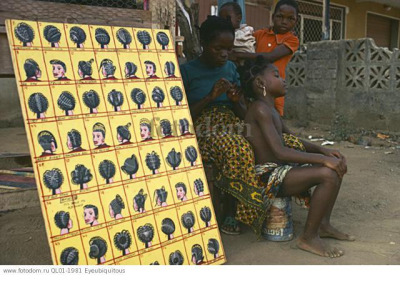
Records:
x=280, y=159
x=244, y=39
x=278, y=43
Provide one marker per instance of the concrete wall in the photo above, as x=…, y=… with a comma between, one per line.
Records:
x=351, y=78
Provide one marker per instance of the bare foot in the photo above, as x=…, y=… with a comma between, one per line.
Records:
x=318, y=247
x=328, y=231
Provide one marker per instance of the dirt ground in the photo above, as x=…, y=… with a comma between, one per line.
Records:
x=367, y=207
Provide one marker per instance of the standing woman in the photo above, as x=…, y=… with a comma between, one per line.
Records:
x=211, y=83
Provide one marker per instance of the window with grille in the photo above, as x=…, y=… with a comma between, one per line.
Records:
x=310, y=24
x=126, y=4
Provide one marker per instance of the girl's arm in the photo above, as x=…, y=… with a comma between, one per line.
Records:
x=314, y=148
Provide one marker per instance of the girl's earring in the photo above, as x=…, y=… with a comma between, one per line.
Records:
x=264, y=91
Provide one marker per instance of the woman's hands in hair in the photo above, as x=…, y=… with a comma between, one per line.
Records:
x=220, y=87
x=234, y=93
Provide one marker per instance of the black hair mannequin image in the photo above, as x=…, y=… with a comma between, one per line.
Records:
x=199, y=187
x=158, y=96
x=92, y=100
x=124, y=37
x=53, y=179
x=81, y=176
x=48, y=142
x=38, y=104
x=168, y=227
x=98, y=249
x=78, y=36
x=181, y=191
x=108, y=69
x=74, y=141
x=99, y=136
x=205, y=215
x=146, y=234
x=130, y=167
x=25, y=34
x=116, y=207
x=160, y=197
x=59, y=70
x=176, y=94
x=116, y=99
x=151, y=69
x=63, y=221
x=130, y=70
x=145, y=129
x=32, y=71
x=139, y=201
x=85, y=69
x=91, y=214
x=107, y=170
x=144, y=38
x=213, y=247
x=66, y=102
x=166, y=128
x=176, y=258
x=191, y=155
x=138, y=97
x=174, y=159
x=163, y=40
x=188, y=221
x=123, y=134
x=123, y=240
x=52, y=34
x=153, y=162
x=69, y=256
x=169, y=69
x=184, y=127
x=197, y=254
x=102, y=37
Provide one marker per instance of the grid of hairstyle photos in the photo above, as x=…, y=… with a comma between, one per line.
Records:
x=112, y=142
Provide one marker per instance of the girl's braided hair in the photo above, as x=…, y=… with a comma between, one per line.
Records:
x=249, y=71
x=213, y=26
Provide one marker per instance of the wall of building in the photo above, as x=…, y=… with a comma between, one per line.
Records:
x=356, y=19
x=353, y=79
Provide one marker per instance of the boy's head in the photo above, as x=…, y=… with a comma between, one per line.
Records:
x=216, y=37
x=260, y=78
x=285, y=16
x=233, y=12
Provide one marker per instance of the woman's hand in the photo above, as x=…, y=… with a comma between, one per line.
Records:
x=220, y=87
x=234, y=93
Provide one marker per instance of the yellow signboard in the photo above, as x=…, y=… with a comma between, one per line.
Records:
x=117, y=165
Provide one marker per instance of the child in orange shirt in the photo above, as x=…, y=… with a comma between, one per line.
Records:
x=278, y=43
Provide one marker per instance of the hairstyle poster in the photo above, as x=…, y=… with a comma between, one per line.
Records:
x=117, y=165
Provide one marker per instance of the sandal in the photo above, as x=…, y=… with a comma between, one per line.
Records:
x=230, y=226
